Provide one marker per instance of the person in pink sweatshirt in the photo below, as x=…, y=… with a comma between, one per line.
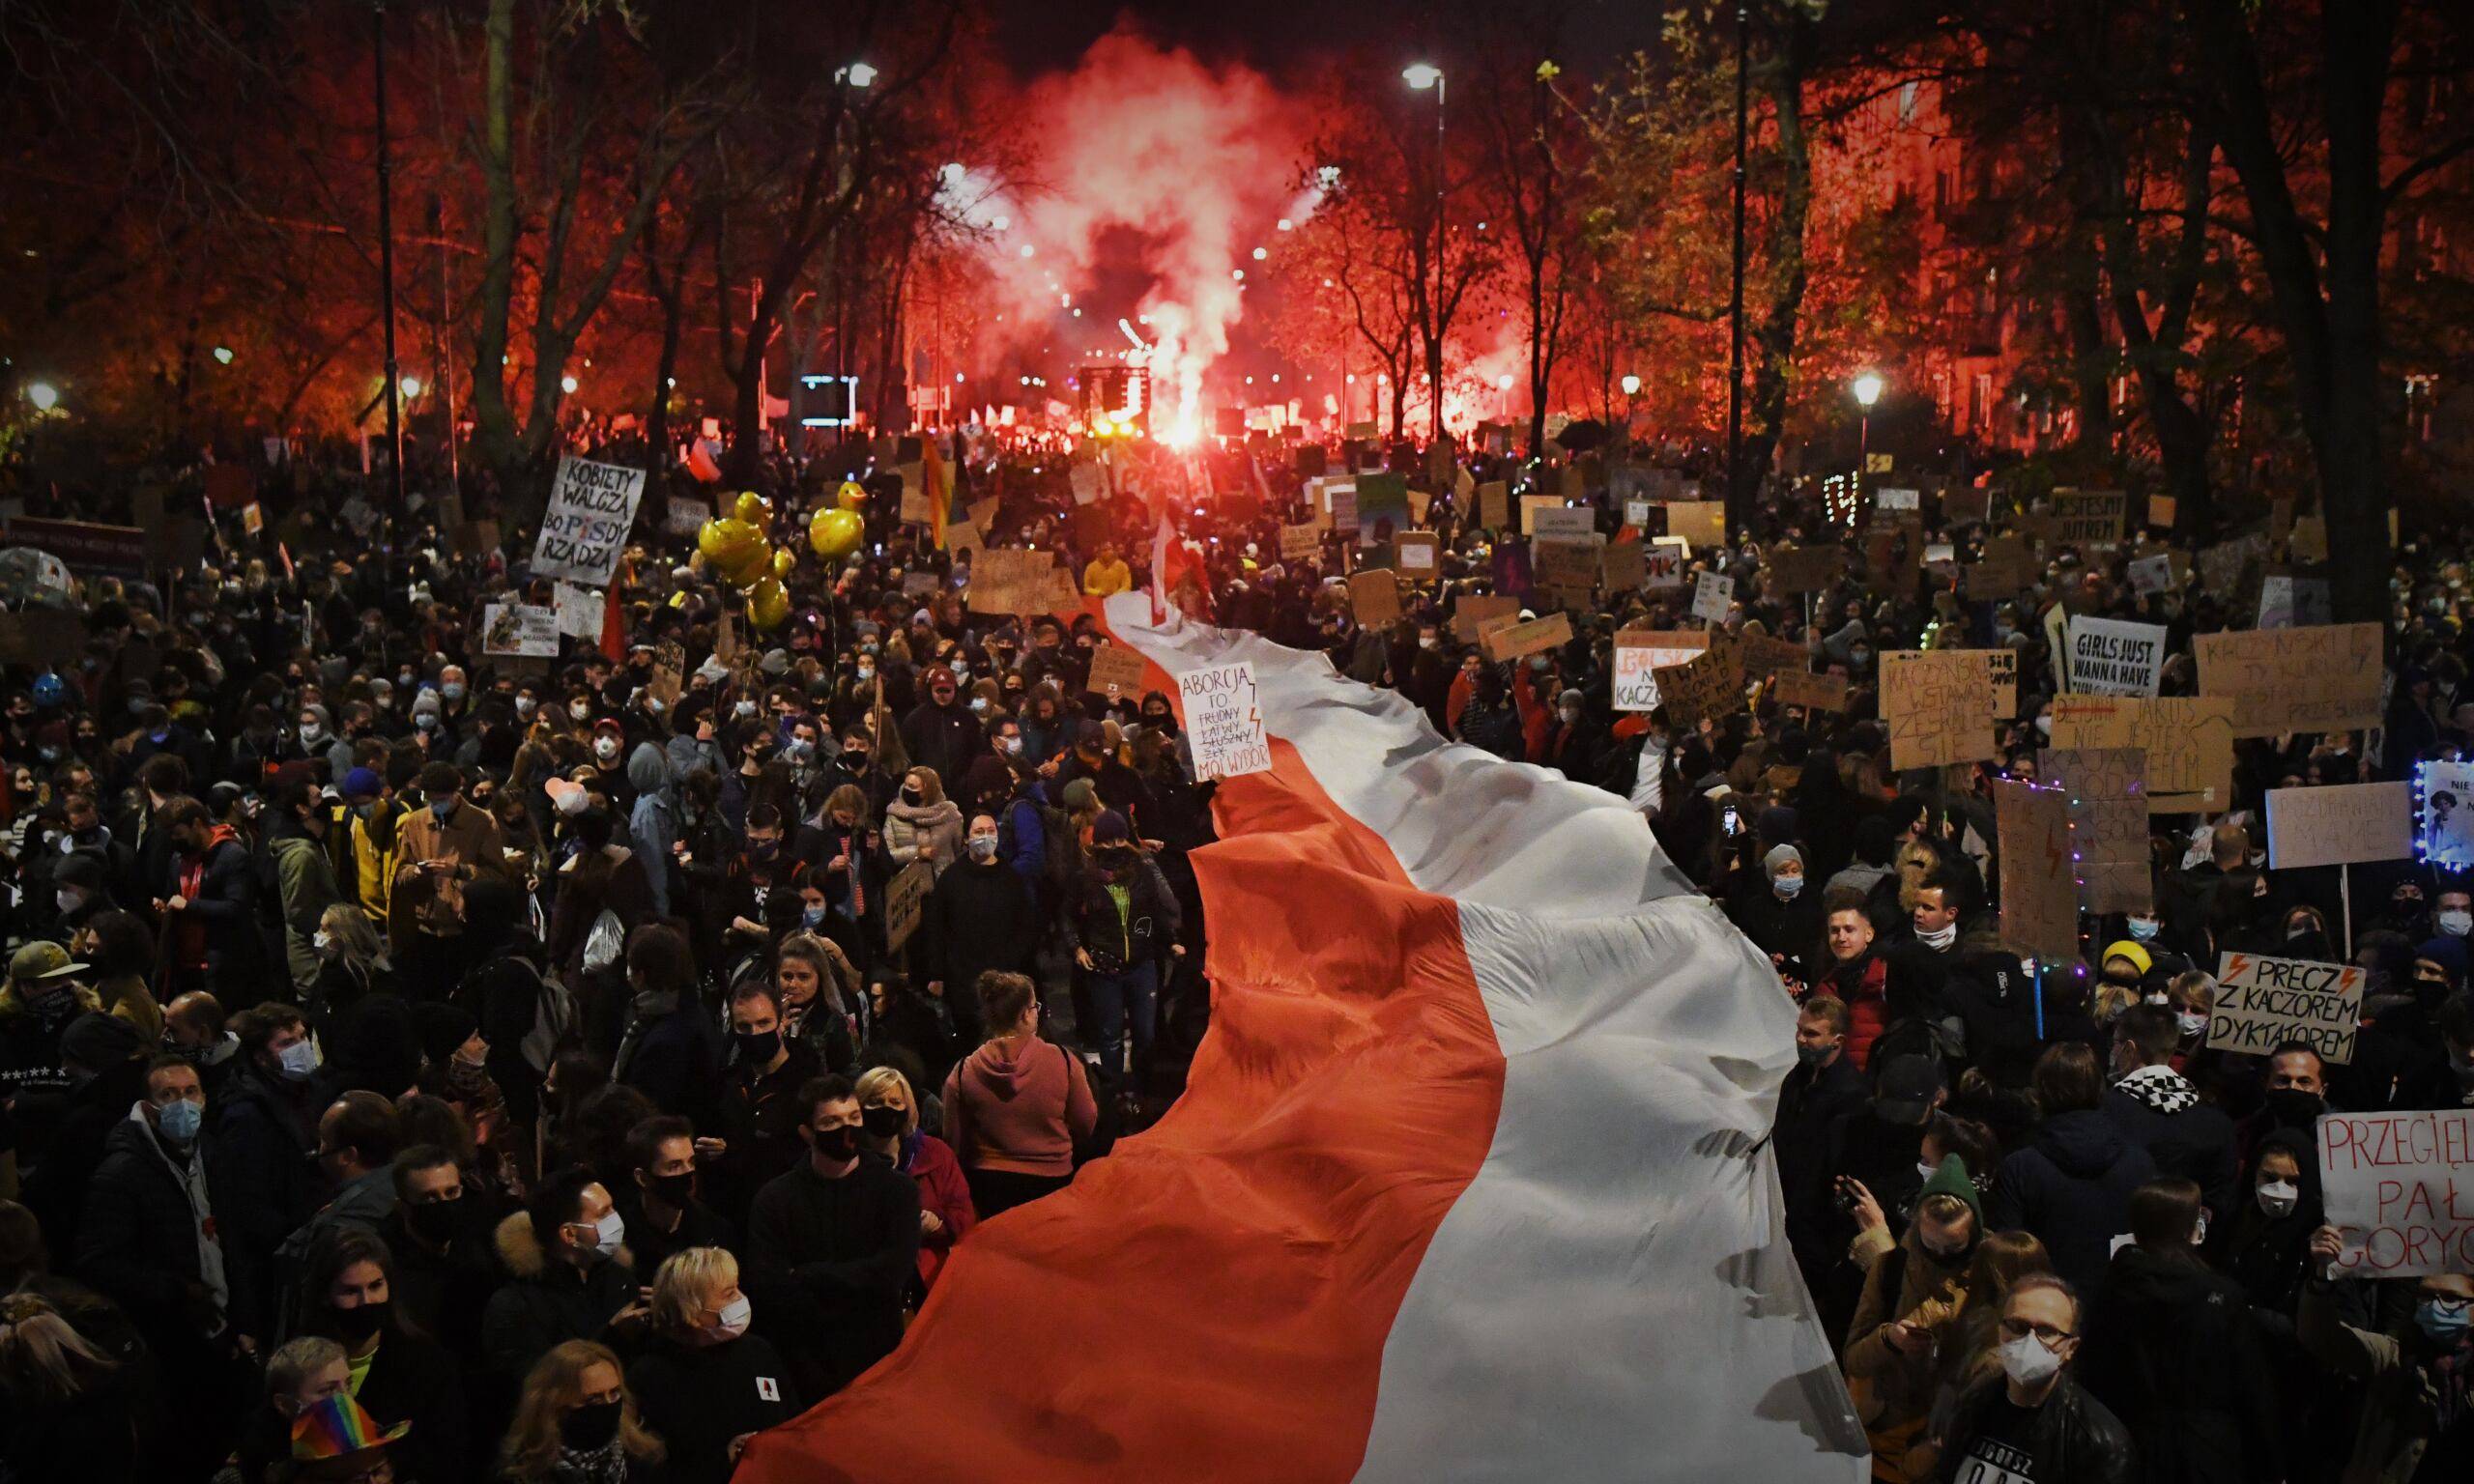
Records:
x=1015, y=1107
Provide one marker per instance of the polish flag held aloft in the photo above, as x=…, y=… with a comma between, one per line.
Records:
x=1470, y=1181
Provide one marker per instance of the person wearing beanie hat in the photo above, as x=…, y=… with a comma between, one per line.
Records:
x=1778, y=915
x=1575, y=741
x=940, y=733
x=1906, y=1325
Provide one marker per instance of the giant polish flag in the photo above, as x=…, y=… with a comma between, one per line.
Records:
x=1470, y=1180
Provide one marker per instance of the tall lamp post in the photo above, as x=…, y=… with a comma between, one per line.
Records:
x=1421, y=76
x=1737, y=502
x=1867, y=387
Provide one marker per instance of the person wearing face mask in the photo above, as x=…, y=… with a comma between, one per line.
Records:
x=855, y=766
x=940, y=733
x=438, y=1234
x=78, y=895
x=1824, y=1087
x=889, y=1119
x=211, y=895
x=609, y=746
x=922, y=824
x=982, y=915
x=1778, y=915
x=2031, y=1420
x=2160, y=1110
x=151, y=1237
x=755, y=1120
x=2264, y=1246
x=1894, y=1355
x=670, y=1051
x=399, y=1375
x=266, y=1121
x=576, y=1423
x=43, y=996
x=2172, y=1349
x=2294, y=1094
x=662, y=1201
x=441, y=850
x=2418, y=1403
x=2071, y=1187
x=844, y=1226
x=1117, y=920
x=705, y=1384
x=570, y=1275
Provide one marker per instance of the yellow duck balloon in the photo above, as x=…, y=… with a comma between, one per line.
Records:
x=835, y=534
x=768, y=604
x=785, y=562
x=752, y=508
x=851, y=496
x=753, y=561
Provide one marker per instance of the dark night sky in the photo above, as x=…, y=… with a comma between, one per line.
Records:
x=1271, y=35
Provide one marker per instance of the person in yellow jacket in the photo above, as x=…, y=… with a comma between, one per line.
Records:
x=1106, y=574
x=375, y=814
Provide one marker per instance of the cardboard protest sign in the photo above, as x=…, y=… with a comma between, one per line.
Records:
x=918, y=585
x=1939, y=704
x=1711, y=595
x=2221, y=566
x=669, y=671
x=2005, y=667
x=1299, y=542
x=964, y=536
x=1375, y=598
x=2040, y=891
x=2089, y=518
x=1701, y=523
x=1418, y=555
x=585, y=528
x=1801, y=569
x=1494, y=505
x=1474, y=610
x=982, y=513
x=579, y=611
x=1963, y=503
x=1662, y=566
x=1636, y=514
x=87, y=548
x=2398, y=1187
x=2309, y=539
x=2111, y=657
x=2188, y=740
x=1225, y=720
x=1005, y=581
x=1764, y=655
x=2106, y=790
x=2260, y=1002
x=2159, y=510
x=685, y=515
x=2325, y=678
x=1814, y=692
x=1636, y=689
x=1565, y=566
x=1708, y=684
x=2006, y=566
x=1624, y=566
x=907, y=901
x=1341, y=500
x=2336, y=824
x=520, y=628
x=1513, y=641
x=2294, y=602
x=1551, y=519
x=1652, y=650
x=1115, y=672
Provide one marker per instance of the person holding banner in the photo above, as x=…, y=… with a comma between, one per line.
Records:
x=2418, y=1413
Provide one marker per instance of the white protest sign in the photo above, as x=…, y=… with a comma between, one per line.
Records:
x=1898, y=500
x=2151, y=574
x=1636, y=689
x=1662, y=564
x=1562, y=522
x=2260, y=1002
x=579, y=611
x=585, y=528
x=1711, y=597
x=2294, y=603
x=520, y=628
x=1223, y=720
x=2112, y=657
x=1087, y=482
x=2399, y=1188
x=1636, y=513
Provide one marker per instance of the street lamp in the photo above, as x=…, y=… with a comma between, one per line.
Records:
x=1420, y=76
x=224, y=354
x=411, y=387
x=858, y=74
x=43, y=395
x=1631, y=385
x=567, y=384
x=1867, y=387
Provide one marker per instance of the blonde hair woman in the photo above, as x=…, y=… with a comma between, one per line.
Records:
x=577, y=1424
x=706, y=1385
x=889, y=1124
x=351, y=962
x=922, y=824
x=70, y=1412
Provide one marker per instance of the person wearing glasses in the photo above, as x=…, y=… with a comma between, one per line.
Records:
x=2418, y=1410
x=2033, y=1424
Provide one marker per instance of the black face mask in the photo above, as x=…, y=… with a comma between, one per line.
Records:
x=357, y=1324
x=588, y=1428
x=437, y=1222
x=835, y=1143
x=883, y=1123
x=757, y=1049
x=676, y=1190
x=2293, y=1108
x=911, y=797
x=855, y=762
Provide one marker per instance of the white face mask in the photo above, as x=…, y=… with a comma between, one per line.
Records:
x=607, y=746
x=321, y=940
x=734, y=1318
x=525, y=706
x=2027, y=1361
x=2457, y=922
x=579, y=711
x=2191, y=1024
x=2278, y=1198
x=608, y=1234
x=69, y=902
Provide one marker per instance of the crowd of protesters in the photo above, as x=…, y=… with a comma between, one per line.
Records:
x=432, y=1064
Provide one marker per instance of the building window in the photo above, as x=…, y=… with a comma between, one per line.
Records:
x=1907, y=102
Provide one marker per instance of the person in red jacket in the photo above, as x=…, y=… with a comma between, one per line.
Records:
x=889, y=1118
x=1857, y=975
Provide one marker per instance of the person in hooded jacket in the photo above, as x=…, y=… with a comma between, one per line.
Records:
x=1782, y=919
x=1118, y=920
x=211, y=896
x=1895, y=1362
x=2157, y=1108
x=1014, y=1108
x=2169, y=1347
x=2071, y=1187
x=569, y=1274
x=652, y=824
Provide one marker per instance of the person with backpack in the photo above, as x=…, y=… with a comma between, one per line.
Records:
x=527, y=1017
x=1015, y=1108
